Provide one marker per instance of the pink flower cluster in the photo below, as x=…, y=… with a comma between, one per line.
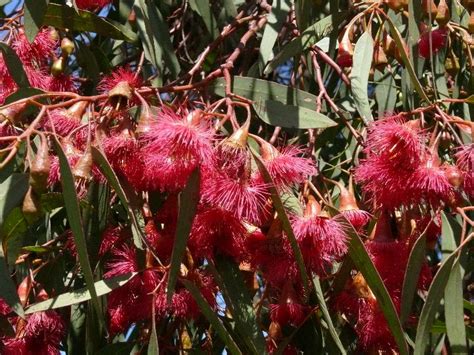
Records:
x=36, y=59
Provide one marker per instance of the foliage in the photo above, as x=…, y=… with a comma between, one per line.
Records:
x=283, y=176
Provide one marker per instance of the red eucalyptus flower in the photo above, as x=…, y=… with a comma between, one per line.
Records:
x=286, y=166
x=92, y=5
x=438, y=41
x=322, y=239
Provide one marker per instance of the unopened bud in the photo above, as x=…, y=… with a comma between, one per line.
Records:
x=31, y=207
x=67, y=46
x=40, y=167
x=58, y=66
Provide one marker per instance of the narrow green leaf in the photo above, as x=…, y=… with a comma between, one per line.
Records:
x=239, y=300
x=14, y=66
x=101, y=288
x=74, y=218
x=153, y=346
x=275, y=21
x=34, y=15
x=212, y=317
x=155, y=36
x=327, y=317
x=453, y=294
x=276, y=113
x=23, y=93
x=277, y=104
x=12, y=191
x=412, y=274
x=308, y=38
x=203, y=8
x=362, y=61
x=280, y=209
x=411, y=71
x=385, y=91
x=65, y=17
x=364, y=264
x=112, y=179
x=188, y=201
x=8, y=288
x=433, y=299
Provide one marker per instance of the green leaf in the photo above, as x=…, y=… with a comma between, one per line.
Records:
x=101, y=288
x=155, y=36
x=280, y=209
x=153, y=346
x=14, y=65
x=12, y=191
x=239, y=300
x=411, y=71
x=327, y=317
x=8, y=288
x=308, y=38
x=34, y=15
x=75, y=222
x=385, y=92
x=412, y=274
x=433, y=298
x=203, y=8
x=275, y=21
x=188, y=201
x=453, y=294
x=23, y=93
x=113, y=180
x=212, y=317
x=362, y=61
x=277, y=104
x=276, y=113
x=364, y=264
x=65, y=17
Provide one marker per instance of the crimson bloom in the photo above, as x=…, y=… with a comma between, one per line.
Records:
x=92, y=5
x=438, y=41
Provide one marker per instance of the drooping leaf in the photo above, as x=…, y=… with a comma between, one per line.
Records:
x=364, y=264
x=212, y=317
x=23, y=93
x=12, y=191
x=101, y=288
x=75, y=222
x=453, y=293
x=362, y=61
x=8, y=288
x=34, y=15
x=203, y=8
x=277, y=104
x=65, y=17
x=433, y=299
x=280, y=209
x=155, y=37
x=153, y=347
x=275, y=21
x=239, y=301
x=188, y=201
x=327, y=317
x=308, y=38
x=412, y=273
x=106, y=169
x=14, y=65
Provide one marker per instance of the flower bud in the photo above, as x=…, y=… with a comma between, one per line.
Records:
x=58, y=66
x=238, y=139
x=443, y=16
x=83, y=168
x=380, y=59
x=67, y=46
x=470, y=26
x=313, y=208
x=31, y=207
x=395, y=5
x=77, y=110
x=452, y=65
x=345, y=52
x=468, y=4
x=429, y=7
x=13, y=113
x=274, y=331
x=40, y=167
x=454, y=175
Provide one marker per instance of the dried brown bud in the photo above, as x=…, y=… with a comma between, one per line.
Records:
x=454, y=175
x=238, y=139
x=429, y=7
x=274, y=331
